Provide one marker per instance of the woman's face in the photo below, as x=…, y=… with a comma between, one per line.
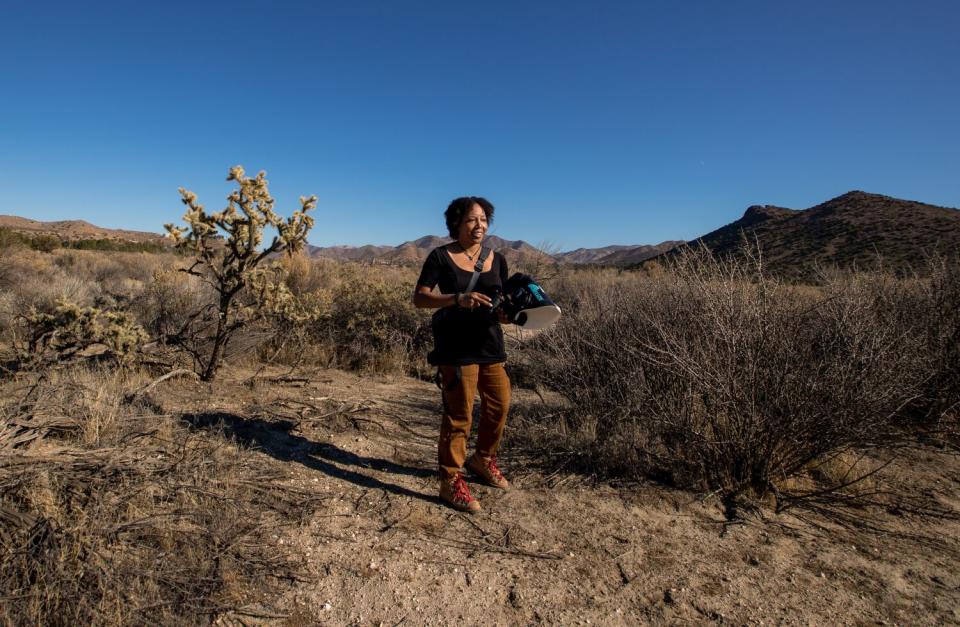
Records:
x=473, y=227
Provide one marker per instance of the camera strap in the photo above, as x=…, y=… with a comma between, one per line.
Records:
x=477, y=269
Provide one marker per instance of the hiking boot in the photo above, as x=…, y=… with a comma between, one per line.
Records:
x=487, y=470
x=456, y=494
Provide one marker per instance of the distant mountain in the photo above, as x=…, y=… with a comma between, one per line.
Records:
x=75, y=230
x=367, y=253
x=589, y=255
x=518, y=253
x=850, y=230
x=636, y=254
x=415, y=251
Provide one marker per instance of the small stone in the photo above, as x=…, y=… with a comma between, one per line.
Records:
x=327, y=606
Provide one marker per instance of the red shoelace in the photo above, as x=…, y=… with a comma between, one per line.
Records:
x=461, y=492
x=492, y=467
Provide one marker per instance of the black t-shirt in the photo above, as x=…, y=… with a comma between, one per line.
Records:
x=478, y=338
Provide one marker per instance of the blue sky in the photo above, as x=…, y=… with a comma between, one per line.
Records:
x=585, y=123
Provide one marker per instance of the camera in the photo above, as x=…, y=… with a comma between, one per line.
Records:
x=524, y=303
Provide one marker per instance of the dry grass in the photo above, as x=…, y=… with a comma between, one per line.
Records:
x=113, y=514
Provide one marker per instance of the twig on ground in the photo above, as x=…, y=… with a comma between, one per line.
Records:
x=180, y=372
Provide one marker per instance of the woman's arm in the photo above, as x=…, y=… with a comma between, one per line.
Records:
x=424, y=297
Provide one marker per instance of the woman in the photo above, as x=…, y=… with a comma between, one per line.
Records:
x=471, y=356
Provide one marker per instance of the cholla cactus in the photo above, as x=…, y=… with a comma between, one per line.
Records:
x=227, y=247
x=71, y=329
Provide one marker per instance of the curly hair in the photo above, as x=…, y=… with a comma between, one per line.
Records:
x=459, y=208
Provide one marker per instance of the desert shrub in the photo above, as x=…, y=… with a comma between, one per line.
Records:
x=11, y=240
x=40, y=283
x=109, y=267
x=113, y=245
x=343, y=315
x=30, y=281
x=374, y=325
x=304, y=275
x=119, y=277
x=716, y=376
x=293, y=311
x=939, y=313
x=170, y=301
x=111, y=514
x=43, y=243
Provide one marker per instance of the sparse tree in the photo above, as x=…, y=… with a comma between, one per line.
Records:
x=227, y=248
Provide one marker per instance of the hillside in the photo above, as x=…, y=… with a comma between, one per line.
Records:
x=70, y=230
x=589, y=255
x=851, y=230
x=635, y=254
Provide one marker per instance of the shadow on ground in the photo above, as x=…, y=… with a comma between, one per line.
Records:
x=274, y=438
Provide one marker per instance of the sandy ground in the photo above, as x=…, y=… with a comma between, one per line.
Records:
x=558, y=548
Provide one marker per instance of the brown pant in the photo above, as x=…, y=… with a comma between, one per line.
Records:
x=494, y=386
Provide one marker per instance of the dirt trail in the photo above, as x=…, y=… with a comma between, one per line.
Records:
x=557, y=549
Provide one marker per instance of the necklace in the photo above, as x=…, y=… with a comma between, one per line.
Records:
x=469, y=256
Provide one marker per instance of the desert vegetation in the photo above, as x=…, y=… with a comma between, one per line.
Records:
x=714, y=377
x=47, y=243
x=113, y=513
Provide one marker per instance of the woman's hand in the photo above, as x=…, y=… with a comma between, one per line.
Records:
x=472, y=300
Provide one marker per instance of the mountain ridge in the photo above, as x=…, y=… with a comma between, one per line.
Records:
x=850, y=230
x=75, y=230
